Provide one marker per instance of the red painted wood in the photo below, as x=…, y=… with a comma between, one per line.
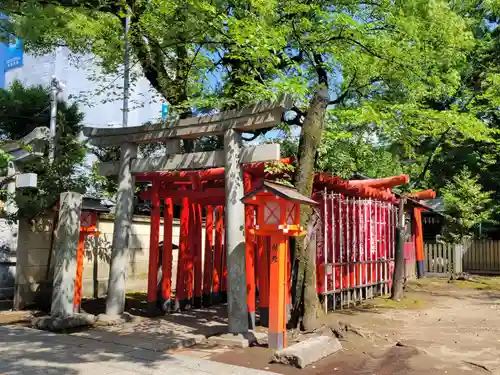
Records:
x=263, y=249
x=189, y=254
x=208, y=268
x=79, y=272
x=277, y=310
x=154, y=240
x=419, y=236
x=288, y=289
x=166, y=285
x=180, y=292
x=257, y=168
x=197, y=236
x=179, y=194
x=224, y=269
x=249, y=247
x=217, y=269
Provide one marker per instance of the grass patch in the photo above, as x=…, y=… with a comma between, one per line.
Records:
x=479, y=283
x=430, y=284
x=410, y=301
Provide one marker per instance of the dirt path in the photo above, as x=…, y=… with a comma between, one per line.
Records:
x=439, y=328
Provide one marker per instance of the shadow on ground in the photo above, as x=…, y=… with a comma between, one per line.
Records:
x=58, y=354
x=193, y=322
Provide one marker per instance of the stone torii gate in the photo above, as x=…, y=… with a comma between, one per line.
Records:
x=230, y=125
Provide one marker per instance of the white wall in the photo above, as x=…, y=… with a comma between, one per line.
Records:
x=35, y=246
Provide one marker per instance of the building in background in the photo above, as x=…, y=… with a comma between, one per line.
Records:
x=97, y=95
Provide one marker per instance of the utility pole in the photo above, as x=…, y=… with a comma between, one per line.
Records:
x=126, y=72
x=56, y=87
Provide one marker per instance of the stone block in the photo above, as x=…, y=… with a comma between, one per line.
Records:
x=57, y=324
x=308, y=351
x=238, y=340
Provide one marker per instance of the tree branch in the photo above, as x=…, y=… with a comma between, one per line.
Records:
x=341, y=98
x=112, y=6
x=430, y=158
x=320, y=70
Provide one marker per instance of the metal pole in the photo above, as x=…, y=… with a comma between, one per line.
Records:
x=55, y=88
x=386, y=243
x=360, y=248
x=126, y=71
x=366, y=223
x=325, y=247
x=372, y=229
x=354, y=252
x=334, y=268
x=341, y=245
x=348, y=256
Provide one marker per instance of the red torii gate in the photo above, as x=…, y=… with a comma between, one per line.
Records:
x=205, y=283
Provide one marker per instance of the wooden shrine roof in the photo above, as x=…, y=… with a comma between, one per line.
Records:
x=289, y=193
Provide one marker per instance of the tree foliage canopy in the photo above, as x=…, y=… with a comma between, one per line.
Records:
x=23, y=109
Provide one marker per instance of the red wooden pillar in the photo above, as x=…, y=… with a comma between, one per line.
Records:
x=224, y=275
x=180, y=287
x=79, y=272
x=288, y=285
x=263, y=249
x=217, y=269
x=166, y=284
x=189, y=257
x=419, y=241
x=277, y=310
x=249, y=254
x=154, y=239
x=197, y=242
x=208, y=267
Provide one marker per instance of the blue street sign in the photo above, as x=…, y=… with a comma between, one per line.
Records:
x=14, y=54
x=164, y=111
x=11, y=54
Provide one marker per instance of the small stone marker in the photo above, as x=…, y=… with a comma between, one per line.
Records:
x=308, y=351
x=68, y=232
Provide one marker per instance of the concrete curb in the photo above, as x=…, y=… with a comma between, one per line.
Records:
x=308, y=351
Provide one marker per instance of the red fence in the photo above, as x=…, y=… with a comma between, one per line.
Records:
x=355, y=249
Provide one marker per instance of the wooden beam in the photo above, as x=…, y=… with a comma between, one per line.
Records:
x=258, y=116
x=176, y=194
x=193, y=161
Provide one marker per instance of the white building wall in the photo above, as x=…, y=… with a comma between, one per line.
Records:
x=98, y=99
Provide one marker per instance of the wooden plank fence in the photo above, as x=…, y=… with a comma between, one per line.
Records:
x=476, y=256
x=482, y=256
x=442, y=258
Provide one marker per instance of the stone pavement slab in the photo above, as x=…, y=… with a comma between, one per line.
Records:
x=171, y=332
x=25, y=351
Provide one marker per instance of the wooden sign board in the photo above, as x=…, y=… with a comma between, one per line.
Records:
x=88, y=219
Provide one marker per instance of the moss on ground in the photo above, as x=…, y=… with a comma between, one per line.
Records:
x=479, y=283
x=409, y=301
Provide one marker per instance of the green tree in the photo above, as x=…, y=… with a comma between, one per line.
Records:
x=478, y=97
x=466, y=204
x=367, y=63
x=23, y=109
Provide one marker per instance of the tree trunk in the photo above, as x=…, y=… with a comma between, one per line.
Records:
x=399, y=261
x=305, y=296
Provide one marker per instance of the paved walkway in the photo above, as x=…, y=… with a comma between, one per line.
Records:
x=28, y=352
